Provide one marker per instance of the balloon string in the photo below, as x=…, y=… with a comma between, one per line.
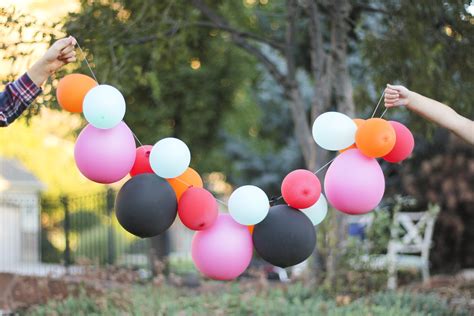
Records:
x=378, y=103
x=273, y=200
x=137, y=138
x=324, y=166
x=85, y=59
x=190, y=185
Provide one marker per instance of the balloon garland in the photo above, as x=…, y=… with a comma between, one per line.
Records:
x=163, y=186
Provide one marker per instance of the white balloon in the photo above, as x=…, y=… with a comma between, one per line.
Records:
x=317, y=212
x=170, y=157
x=248, y=205
x=334, y=131
x=104, y=106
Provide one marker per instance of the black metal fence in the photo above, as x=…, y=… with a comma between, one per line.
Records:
x=90, y=233
x=53, y=235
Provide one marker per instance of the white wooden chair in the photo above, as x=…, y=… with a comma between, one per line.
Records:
x=409, y=245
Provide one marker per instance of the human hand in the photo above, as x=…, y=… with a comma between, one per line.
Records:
x=59, y=54
x=396, y=96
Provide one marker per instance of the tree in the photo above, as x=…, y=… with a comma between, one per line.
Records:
x=175, y=84
x=425, y=46
x=129, y=23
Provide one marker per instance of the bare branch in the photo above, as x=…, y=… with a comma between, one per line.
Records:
x=226, y=28
x=270, y=42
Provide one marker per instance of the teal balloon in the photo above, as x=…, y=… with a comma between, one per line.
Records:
x=104, y=106
x=170, y=157
x=317, y=212
x=248, y=205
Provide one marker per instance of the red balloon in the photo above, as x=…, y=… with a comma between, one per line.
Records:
x=142, y=161
x=404, y=143
x=301, y=189
x=197, y=208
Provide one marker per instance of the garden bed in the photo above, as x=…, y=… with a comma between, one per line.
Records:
x=122, y=292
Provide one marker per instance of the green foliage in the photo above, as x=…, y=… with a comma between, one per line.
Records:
x=235, y=300
x=178, y=78
x=426, y=46
x=379, y=232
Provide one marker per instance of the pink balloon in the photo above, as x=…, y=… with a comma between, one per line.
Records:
x=403, y=145
x=354, y=183
x=105, y=155
x=223, y=251
x=301, y=189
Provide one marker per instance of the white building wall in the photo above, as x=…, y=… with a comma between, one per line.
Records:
x=27, y=204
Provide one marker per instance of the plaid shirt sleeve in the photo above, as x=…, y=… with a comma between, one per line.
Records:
x=16, y=98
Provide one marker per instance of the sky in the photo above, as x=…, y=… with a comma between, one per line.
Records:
x=42, y=10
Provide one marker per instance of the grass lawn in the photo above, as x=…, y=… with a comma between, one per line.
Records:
x=244, y=298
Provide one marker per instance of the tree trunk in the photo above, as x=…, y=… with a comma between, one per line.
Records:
x=343, y=96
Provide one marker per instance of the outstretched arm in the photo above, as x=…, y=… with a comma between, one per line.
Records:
x=432, y=110
x=19, y=94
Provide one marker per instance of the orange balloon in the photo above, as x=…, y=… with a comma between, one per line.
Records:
x=375, y=138
x=71, y=91
x=250, y=228
x=190, y=178
x=350, y=147
x=358, y=122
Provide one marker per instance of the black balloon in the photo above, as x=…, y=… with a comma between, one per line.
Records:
x=146, y=205
x=285, y=237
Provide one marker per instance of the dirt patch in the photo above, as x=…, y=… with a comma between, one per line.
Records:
x=19, y=292
x=458, y=290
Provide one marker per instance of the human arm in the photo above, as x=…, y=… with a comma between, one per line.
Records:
x=432, y=110
x=19, y=94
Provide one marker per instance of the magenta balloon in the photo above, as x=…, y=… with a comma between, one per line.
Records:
x=223, y=251
x=404, y=143
x=105, y=155
x=354, y=183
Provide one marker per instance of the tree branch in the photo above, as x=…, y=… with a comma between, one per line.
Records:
x=240, y=41
x=270, y=42
x=227, y=28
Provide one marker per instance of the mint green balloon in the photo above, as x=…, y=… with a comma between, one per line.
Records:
x=104, y=106
x=334, y=131
x=248, y=205
x=318, y=211
x=170, y=157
